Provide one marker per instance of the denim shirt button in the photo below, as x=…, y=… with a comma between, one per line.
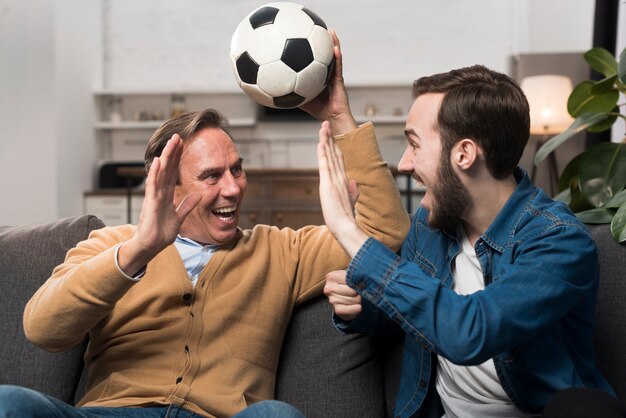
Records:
x=422, y=383
x=361, y=285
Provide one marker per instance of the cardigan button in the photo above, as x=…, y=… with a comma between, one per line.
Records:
x=178, y=380
x=187, y=297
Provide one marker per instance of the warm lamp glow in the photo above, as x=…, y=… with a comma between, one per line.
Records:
x=547, y=97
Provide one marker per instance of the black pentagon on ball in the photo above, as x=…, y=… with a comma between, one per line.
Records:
x=288, y=101
x=315, y=18
x=263, y=16
x=297, y=54
x=247, y=68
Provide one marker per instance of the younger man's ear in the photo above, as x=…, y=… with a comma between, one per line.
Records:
x=464, y=154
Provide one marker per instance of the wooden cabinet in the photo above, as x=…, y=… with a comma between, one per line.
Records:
x=281, y=197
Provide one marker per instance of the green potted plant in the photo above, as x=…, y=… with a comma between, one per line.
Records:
x=593, y=184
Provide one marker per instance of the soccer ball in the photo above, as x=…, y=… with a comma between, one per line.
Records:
x=282, y=55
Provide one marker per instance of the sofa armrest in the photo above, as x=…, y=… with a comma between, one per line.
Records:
x=28, y=254
x=610, y=332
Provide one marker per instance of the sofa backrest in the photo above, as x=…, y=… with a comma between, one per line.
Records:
x=326, y=374
x=28, y=254
x=610, y=331
x=321, y=371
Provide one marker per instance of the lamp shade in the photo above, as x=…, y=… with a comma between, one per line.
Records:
x=547, y=97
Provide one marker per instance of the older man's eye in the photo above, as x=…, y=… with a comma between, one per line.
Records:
x=236, y=171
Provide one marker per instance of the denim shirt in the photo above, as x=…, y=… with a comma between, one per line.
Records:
x=534, y=318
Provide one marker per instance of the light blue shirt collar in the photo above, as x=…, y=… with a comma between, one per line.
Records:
x=195, y=256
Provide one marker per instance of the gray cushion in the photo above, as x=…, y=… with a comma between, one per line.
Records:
x=326, y=374
x=28, y=254
x=610, y=332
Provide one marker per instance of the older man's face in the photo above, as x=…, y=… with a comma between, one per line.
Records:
x=211, y=165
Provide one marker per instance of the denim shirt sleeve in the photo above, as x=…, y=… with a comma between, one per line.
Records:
x=370, y=321
x=534, y=283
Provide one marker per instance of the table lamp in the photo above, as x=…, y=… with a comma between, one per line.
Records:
x=547, y=97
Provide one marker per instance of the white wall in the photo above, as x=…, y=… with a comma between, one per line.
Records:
x=50, y=55
x=150, y=44
x=54, y=54
x=28, y=186
x=77, y=70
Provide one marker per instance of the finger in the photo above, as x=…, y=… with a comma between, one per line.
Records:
x=338, y=55
x=151, y=188
x=347, y=313
x=332, y=288
x=341, y=169
x=188, y=203
x=172, y=153
x=322, y=154
x=328, y=158
x=346, y=302
x=353, y=191
x=342, y=292
x=324, y=136
x=168, y=175
x=336, y=276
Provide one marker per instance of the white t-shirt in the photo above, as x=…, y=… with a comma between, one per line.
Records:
x=471, y=391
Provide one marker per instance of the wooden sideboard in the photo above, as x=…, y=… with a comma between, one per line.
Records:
x=280, y=197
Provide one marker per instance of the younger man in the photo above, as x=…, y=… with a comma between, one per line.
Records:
x=496, y=284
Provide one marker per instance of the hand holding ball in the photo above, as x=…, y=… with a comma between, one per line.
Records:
x=282, y=55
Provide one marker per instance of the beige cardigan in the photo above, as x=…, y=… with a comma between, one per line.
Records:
x=212, y=349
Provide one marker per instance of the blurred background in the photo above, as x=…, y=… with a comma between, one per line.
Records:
x=84, y=83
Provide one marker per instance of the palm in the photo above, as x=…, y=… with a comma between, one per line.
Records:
x=160, y=221
x=333, y=101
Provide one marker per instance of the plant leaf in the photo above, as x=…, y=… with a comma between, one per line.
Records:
x=602, y=61
x=618, y=200
x=604, y=85
x=564, y=196
x=595, y=216
x=581, y=123
x=605, y=124
x=583, y=99
x=569, y=172
x=602, y=172
x=622, y=66
x=578, y=202
x=618, y=225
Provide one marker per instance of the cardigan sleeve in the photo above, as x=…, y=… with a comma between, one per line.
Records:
x=80, y=292
x=379, y=213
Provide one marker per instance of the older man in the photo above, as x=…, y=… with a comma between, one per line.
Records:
x=185, y=311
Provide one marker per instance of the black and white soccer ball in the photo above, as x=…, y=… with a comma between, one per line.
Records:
x=282, y=55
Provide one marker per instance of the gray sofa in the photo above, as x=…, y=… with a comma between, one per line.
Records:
x=323, y=373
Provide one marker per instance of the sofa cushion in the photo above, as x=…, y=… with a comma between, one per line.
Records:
x=28, y=254
x=610, y=332
x=326, y=374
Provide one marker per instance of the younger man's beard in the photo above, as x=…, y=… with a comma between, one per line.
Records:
x=450, y=197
